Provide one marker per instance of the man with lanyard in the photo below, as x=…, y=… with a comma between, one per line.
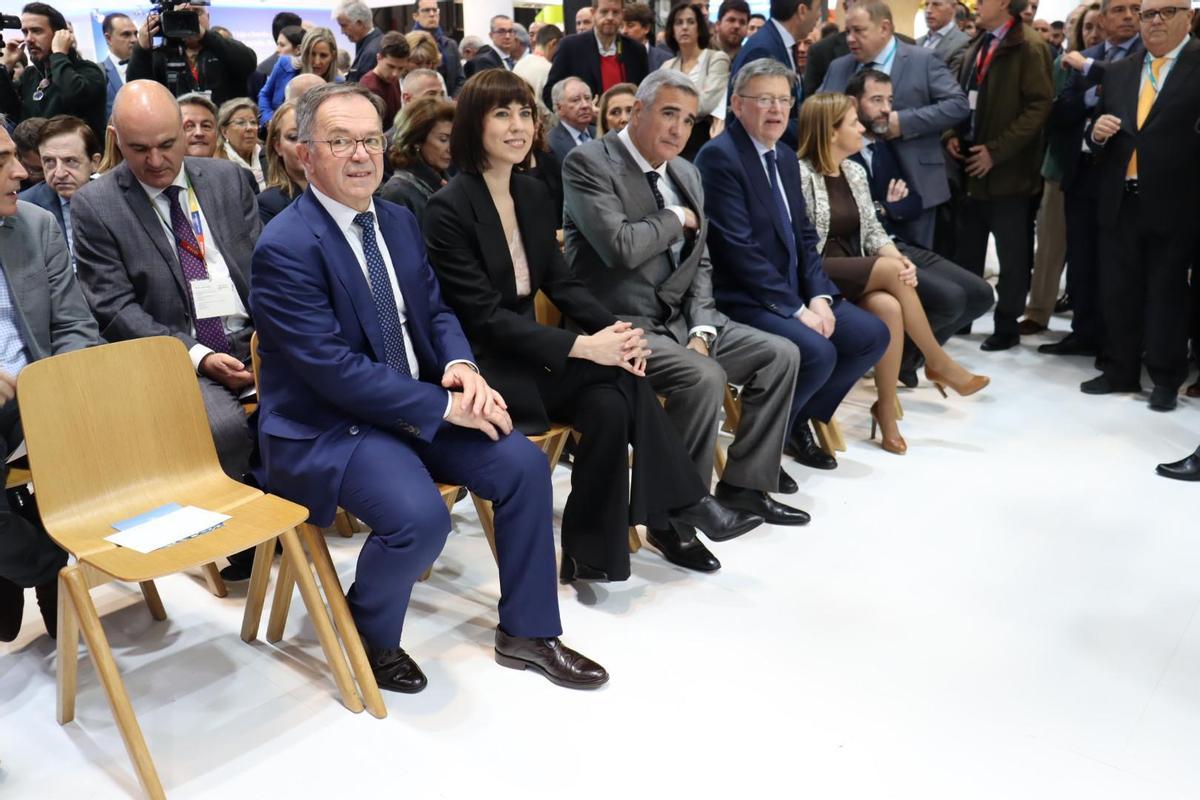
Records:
x=1000, y=146
x=602, y=57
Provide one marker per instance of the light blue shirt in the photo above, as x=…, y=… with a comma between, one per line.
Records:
x=1165, y=72
x=884, y=59
x=66, y=212
x=13, y=354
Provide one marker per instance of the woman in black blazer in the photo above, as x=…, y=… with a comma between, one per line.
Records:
x=491, y=240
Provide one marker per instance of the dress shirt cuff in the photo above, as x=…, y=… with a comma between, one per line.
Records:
x=470, y=364
x=449, y=404
x=827, y=298
x=796, y=314
x=197, y=353
x=678, y=211
x=1087, y=65
x=449, y=394
x=709, y=329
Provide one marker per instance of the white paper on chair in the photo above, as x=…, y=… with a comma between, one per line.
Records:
x=167, y=529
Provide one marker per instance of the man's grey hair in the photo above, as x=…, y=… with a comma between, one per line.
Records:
x=198, y=99
x=762, y=68
x=492, y=21
x=471, y=42
x=311, y=101
x=412, y=77
x=559, y=89
x=355, y=11
x=522, y=35
x=660, y=79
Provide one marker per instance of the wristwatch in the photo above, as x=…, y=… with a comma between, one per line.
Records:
x=706, y=337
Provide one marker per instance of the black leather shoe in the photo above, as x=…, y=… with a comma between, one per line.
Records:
x=240, y=564
x=396, y=671
x=560, y=664
x=761, y=503
x=1102, y=385
x=12, y=607
x=787, y=485
x=1164, y=398
x=803, y=447
x=572, y=570
x=683, y=549
x=715, y=520
x=1069, y=345
x=47, y=599
x=1000, y=341
x=1063, y=305
x=1186, y=470
x=908, y=377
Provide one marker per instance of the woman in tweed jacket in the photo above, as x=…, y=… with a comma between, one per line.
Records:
x=860, y=258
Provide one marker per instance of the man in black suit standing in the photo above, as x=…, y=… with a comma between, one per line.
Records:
x=1148, y=140
x=498, y=53
x=602, y=57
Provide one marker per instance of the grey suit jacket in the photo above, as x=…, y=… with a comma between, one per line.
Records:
x=129, y=266
x=51, y=313
x=619, y=241
x=951, y=48
x=929, y=101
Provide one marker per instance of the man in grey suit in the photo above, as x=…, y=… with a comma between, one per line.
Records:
x=42, y=313
x=928, y=100
x=163, y=246
x=635, y=230
x=944, y=37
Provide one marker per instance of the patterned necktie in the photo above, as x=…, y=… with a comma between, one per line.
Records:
x=1146, y=98
x=385, y=301
x=931, y=40
x=652, y=178
x=585, y=137
x=781, y=213
x=210, y=331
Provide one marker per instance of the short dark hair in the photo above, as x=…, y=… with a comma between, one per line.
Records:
x=547, y=34
x=1015, y=7
x=758, y=16
x=107, y=25
x=961, y=12
x=701, y=25
x=786, y=9
x=65, y=123
x=393, y=45
x=491, y=88
x=57, y=20
x=413, y=126
x=293, y=33
x=27, y=133
x=857, y=85
x=733, y=5
x=1058, y=25
x=829, y=29
x=641, y=14
x=284, y=19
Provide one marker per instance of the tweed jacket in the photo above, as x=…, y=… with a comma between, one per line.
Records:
x=812, y=183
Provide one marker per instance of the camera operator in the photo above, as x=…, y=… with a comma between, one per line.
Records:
x=207, y=62
x=58, y=80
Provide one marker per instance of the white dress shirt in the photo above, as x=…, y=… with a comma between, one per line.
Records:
x=214, y=262
x=116, y=62
x=611, y=50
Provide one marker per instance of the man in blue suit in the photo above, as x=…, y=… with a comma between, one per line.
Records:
x=766, y=270
x=928, y=100
x=790, y=22
x=120, y=34
x=369, y=394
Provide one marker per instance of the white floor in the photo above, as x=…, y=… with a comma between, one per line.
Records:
x=1009, y=611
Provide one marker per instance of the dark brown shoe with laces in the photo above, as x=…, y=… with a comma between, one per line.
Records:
x=560, y=664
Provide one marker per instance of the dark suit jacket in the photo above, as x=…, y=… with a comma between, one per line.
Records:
x=767, y=43
x=657, y=56
x=114, y=85
x=751, y=251
x=470, y=255
x=258, y=78
x=271, y=201
x=43, y=196
x=324, y=378
x=1167, y=144
x=562, y=141
x=578, y=56
x=885, y=167
x=224, y=66
x=487, y=58
x=820, y=56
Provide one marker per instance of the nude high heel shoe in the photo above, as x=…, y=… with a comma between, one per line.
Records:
x=968, y=387
x=897, y=445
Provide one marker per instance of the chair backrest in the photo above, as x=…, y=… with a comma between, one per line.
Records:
x=255, y=363
x=112, y=432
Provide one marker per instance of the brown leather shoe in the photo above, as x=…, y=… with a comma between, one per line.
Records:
x=560, y=664
x=1193, y=390
x=1029, y=327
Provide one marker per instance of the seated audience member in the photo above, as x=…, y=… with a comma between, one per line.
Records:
x=601, y=57
x=70, y=154
x=26, y=136
x=861, y=258
x=420, y=154
x=417, y=85
x=237, y=123
x=43, y=314
x=199, y=125
x=616, y=106
x=951, y=296
x=592, y=381
x=284, y=46
x=357, y=22
x=688, y=38
x=150, y=230
x=766, y=273
x=390, y=65
x=423, y=52
x=316, y=57
x=544, y=165
x=468, y=48
x=1186, y=469
x=112, y=154
x=285, y=174
x=358, y=354
x=572, y=102
x=635, y=231
x=301, y=84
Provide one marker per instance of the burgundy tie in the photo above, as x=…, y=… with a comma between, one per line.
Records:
x=210, y=331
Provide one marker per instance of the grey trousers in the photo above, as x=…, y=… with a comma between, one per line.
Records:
x=763, y=364
x=230, y=429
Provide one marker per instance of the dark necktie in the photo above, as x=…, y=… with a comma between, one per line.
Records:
x=123, y=62
x=1115, y=52
x=210, y=331
x=385, y=301
x=781, y=213
x=652, y=178
x=509, y=62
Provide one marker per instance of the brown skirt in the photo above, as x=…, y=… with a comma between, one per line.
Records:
x=850, y=273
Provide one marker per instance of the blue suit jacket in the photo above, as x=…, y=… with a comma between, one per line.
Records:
x=884, y=169
x=40, y=194
x=767, y=43
x=323, y=379
x=752, y=263
x=114, y=85
x=929, y=100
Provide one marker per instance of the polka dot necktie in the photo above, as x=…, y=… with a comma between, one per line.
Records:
x=210, y=331
x=385, y=301
x=652, y=177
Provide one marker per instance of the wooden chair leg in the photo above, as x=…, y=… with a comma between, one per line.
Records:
x=68, y=654
x=110, y=679
x=320, y=620
x=216, y=584
x=719, y=461
x=635, y=541
x=153, y=601
x=487, y=518
x=835, y=432
x=899, y=409
x=344, y=526
x=335, y=597
x=256, y=595
x=284, y=583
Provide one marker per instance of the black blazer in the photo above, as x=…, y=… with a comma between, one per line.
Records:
x=469, y=254
x=1167, y=144
x=578, y=56
x=885, y=167
x=486, y=58
x=272, y=200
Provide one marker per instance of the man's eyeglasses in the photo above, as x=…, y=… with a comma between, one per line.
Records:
x=344, y=146
x=765, y=101
x=1167, y=13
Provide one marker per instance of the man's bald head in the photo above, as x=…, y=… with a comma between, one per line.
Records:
x=301, y=84
x=149, y=130
x=141, y=102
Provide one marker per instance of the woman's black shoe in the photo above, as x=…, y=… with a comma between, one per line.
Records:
x=572, y=570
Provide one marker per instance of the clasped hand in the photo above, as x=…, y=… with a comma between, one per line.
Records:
x=618, y=345
x=819, y=316
x=477, y=405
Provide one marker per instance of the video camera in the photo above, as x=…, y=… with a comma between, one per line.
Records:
x=174, y=23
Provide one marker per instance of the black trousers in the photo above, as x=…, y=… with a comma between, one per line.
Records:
x=1083, y=261
x=1008, y=219
x=1144, y=296
x=613, y=409
x=27, y=555
x=952, y=297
